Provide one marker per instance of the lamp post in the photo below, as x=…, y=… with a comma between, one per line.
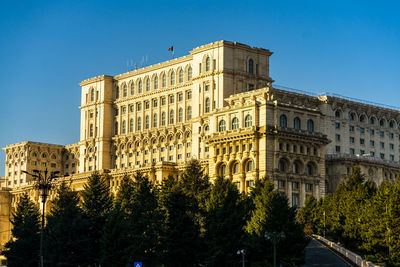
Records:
x=43, y=181
x=275, y=238
x=242, y=252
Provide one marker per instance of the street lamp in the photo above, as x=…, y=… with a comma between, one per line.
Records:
x=43, y=183
x=275, y=238
x=242, y=252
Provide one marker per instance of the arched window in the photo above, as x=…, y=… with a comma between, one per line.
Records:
x=337, y=113
x=222, y=170
x=172, y=78
x=180, y=76
x=116, y=92
x=309, y=169
x=132, y=88
x=362, y=118
x=155, y=120
x=208, y=63
x=163, y=80
x=124, y=90
x=391, y=124
x=296, y=167
x=382, y=122
x=248, y=121
x=208, y=108
x=296, y=123
x=147, y=122
x=116, y=128
x=123, y=127
x=163, y=119
x=281, y=166
x=147, y=84
x=207, y=128
x=140, y=87
x=235, y=123
x=351, y=116
x=171, y=116
x=139, y=124
x=222, y=126
x=251, y=69
x=283, y=121
x=189, y=113
x=372, y=120
x=235, y=168
x=180, y=115
x=131, y=125
x=190, y=73
x=156, y=82
x=249, y=166
x=310, y=125
x=92, y=94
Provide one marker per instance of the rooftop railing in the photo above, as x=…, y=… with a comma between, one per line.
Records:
x=303, y=92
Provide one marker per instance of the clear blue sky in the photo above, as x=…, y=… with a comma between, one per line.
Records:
x=47, y=47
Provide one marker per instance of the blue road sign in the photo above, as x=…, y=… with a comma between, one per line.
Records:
x=137, y=264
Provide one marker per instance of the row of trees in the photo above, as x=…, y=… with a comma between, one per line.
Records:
x=361, y=216
x=182, y=222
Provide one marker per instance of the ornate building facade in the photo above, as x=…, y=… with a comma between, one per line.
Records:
x=218, y=105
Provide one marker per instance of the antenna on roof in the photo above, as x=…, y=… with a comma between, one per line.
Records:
x=147, y=60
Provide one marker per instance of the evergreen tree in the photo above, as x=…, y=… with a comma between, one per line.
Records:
x=195, y=183
x=224, y=222
x=96, y=204
x=272, y=214
x=66, y=231
x=180, y=235
x=306, y=215
x=375, y=225
x=394, y=225
x=145, y=222
x=23, y=249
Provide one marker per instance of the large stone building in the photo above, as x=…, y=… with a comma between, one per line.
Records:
x=219, y=105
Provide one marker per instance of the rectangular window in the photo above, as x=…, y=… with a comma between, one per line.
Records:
x=362, y=141
x=281, y=184
x=381, y=133
x=155, y=103
x=171, y=99
x=372, y=143
x=188, y=155
x=362, y=130
x=382, y=156
x=251, y=86
x=162, y=158
x=171, y=158
x=337, y=125
x=207, y=87
x=206, y=149
x=372, y=153
x=295, y=185
x=171, y=148
x=392, y=157
x=147, y=104
x=351, y=139
x=337, y=137
x=337, y=148
x=189, y=95
x=180, y=97
x=351, y=151
x=351, y=128
x=309, y=187
x=371, y=131
x=295, y=199
x=391, y=135
x=362, y=152
x=139, y=107
x=163, y=101
x=382, y=145
x=391, y=146
x=179, y=156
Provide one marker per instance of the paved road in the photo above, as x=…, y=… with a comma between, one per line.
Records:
x=317, y=255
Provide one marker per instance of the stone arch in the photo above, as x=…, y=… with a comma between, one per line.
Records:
x=220, y=170
x=311, y=168
x=283, y=164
